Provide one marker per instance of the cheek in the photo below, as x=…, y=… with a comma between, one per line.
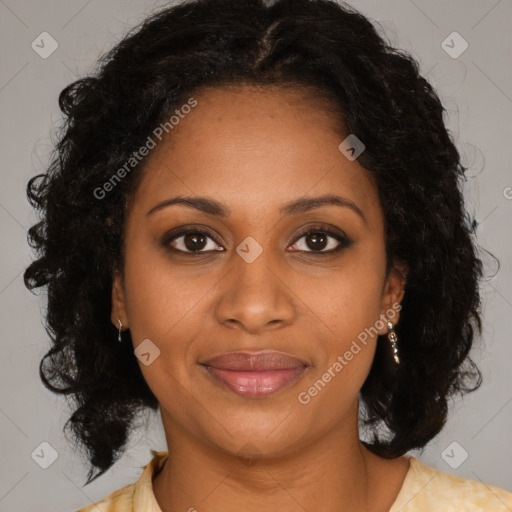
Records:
x=160, y=296
x=351, y=301
x=350, y=310
x=347, y=351
x=163, y=307
x=167, y=306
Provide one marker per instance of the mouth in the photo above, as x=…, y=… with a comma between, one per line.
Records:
x=255, y=374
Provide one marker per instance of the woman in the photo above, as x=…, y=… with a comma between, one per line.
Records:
x=253, y=223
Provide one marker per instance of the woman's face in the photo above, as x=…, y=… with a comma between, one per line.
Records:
x=252, y=281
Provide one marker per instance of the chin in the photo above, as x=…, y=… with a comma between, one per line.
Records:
x=254, y=433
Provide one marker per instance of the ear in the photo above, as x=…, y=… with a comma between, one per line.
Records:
x=118, y=310
x=393, y=293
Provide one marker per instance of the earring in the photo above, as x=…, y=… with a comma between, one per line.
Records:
x=392, y=337
x=120, y=327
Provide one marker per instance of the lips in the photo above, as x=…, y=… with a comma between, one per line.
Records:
x=261, y=361
x=255, y=374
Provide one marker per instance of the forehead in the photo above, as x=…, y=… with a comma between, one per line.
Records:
x=250, y=147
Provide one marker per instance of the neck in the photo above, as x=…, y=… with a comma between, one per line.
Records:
x=335, y=473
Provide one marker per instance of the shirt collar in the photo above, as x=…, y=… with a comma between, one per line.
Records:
x=143, y=496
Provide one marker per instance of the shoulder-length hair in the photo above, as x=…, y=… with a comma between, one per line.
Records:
x=378, y=94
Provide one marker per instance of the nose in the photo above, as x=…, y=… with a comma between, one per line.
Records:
x=255, y=297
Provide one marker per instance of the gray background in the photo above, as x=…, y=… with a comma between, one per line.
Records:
x=476, y=89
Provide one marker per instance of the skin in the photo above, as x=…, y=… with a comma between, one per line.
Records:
x=254, y=149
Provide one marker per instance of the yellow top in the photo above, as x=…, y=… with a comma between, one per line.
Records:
x=424, y=490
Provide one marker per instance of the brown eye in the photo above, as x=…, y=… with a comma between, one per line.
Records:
x=321, y=242
x=194, y=241
x=317, y=241
x=191, y=241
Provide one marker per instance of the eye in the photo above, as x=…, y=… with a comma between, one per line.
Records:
x=191, y=241
x=197, y=241
x=321, y=241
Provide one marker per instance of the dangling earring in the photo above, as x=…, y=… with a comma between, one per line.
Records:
x=393, y=339
x=119, y=334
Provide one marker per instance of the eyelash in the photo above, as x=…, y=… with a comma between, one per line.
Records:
x=344, y=242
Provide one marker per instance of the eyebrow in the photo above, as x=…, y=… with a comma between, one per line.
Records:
x=301, y=205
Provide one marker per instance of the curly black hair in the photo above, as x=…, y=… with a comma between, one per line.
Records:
x=381, y=98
